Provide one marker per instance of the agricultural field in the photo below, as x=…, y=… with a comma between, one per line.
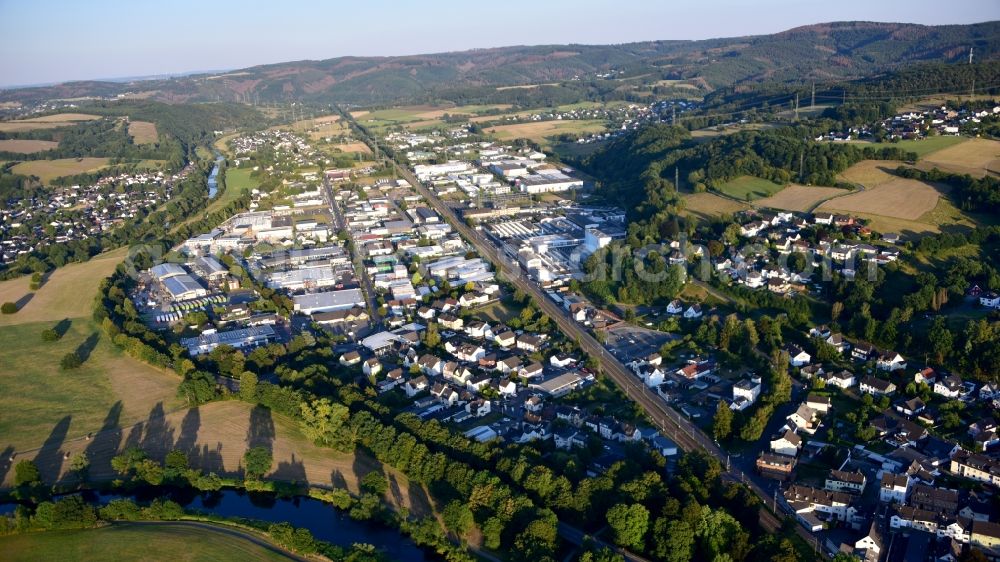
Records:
x=143, y=132
x=975, y=157
x=47, y=122
x=69, y=291
x=48, y=170
x=541, y=131
x=184, y=542
x=870, y=173
x=215, y=436
x=922, y=147
x=750, y=188
x=896, y=198
x=26, y=146
x=706, y=206
x=800, y=198
x=352, y=147
x=42, y=403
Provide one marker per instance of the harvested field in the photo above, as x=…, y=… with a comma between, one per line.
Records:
x=48, y=170
x=353, y=147
x=143, y=132
x=710, y=205
x=897, y=198
x=46, y=122
x=871, y=173
x=975, y=157
x=800, y=198
x=26, y=146
x=539, y=131
x=68, y=293
x=922, y=147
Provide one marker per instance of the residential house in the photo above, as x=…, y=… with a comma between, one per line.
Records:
x=415, y=386
x=890, y=361
x=975, y=466
x=803, y=419
x=787, y=444
x=773, y=465
x=797, y=355
x=949, y=386
x=893, y=488
x=350, y=358
x=910, y=407
x=845, y=481
x=876, y=387
x=693, y=311
x=864, y=351
x=821, y=404
x=844, y=379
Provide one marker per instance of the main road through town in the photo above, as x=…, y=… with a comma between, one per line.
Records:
x=687, y=436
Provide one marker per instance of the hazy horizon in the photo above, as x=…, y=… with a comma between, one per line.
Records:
x=82, y=42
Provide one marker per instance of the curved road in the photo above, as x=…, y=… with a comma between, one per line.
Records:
x=687, y=436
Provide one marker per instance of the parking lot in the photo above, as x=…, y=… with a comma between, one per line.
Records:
x=629, y=342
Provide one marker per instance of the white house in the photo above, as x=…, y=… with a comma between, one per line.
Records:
x=787, y=444
x=675, y=307
x=693, y=311
x=949, y=387
x=797, y=355
x=890, y=361
x=747, y=389
x=893, y=488
x=991, y=300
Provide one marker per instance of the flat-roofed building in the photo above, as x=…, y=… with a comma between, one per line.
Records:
x=559, y=385
x=183, y=287
x=328, y=301
x=240, y=339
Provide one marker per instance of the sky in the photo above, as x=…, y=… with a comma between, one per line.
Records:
x=46, y=41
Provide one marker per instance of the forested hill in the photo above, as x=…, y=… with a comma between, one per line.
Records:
x=824, y=52
x=638, y=170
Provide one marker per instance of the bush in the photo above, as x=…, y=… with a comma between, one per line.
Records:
x=26, y=473
x=71, y=360
x=50, y=335
x=8, y=308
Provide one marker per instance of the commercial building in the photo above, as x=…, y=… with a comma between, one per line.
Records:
x=240, y=339
x=328, y=301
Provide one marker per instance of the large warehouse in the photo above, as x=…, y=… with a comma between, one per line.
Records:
x=183, y=287
x=329, y=301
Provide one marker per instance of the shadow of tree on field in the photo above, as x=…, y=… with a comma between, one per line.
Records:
x=50, y=456
x=104, y=444
x=337, y=479
x=62, y=326
x=210, y=460
x=292, y=470
x=21, y=302
x=6, y=462
x=158, y=437
x=260, y=432
x=87, y=347
x=187, y=440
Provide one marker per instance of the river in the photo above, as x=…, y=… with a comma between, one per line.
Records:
x=324, y=521
x=213, y=178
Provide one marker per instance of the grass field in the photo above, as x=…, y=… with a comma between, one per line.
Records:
x=871, y=173
x=800, y=198
x=48, y=170
x=133, y=542
x=143, y=132
x=975, y=157
x=706, y=206
x=756, y=188
x=26, y=146
x=922, y=147
x=540, y=131
x=68, y=293
x=47, y=122
x=40, y=401
x=215, y=436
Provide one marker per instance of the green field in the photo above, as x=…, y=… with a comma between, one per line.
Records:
x=922, y=147
x=40, y=401
x=756, y=188
x=133, y=542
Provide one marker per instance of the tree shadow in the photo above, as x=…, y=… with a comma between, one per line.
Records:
x=293, y=471
x=24, y=300
x=419, y=500
x=188, y=439
x=87, y=347
x=50, y=458
x=260, y=432
x=158, y=437
x=209, y=460
x=6, y=462
x=62, y=326
x=104, y=444
x=337, y=479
